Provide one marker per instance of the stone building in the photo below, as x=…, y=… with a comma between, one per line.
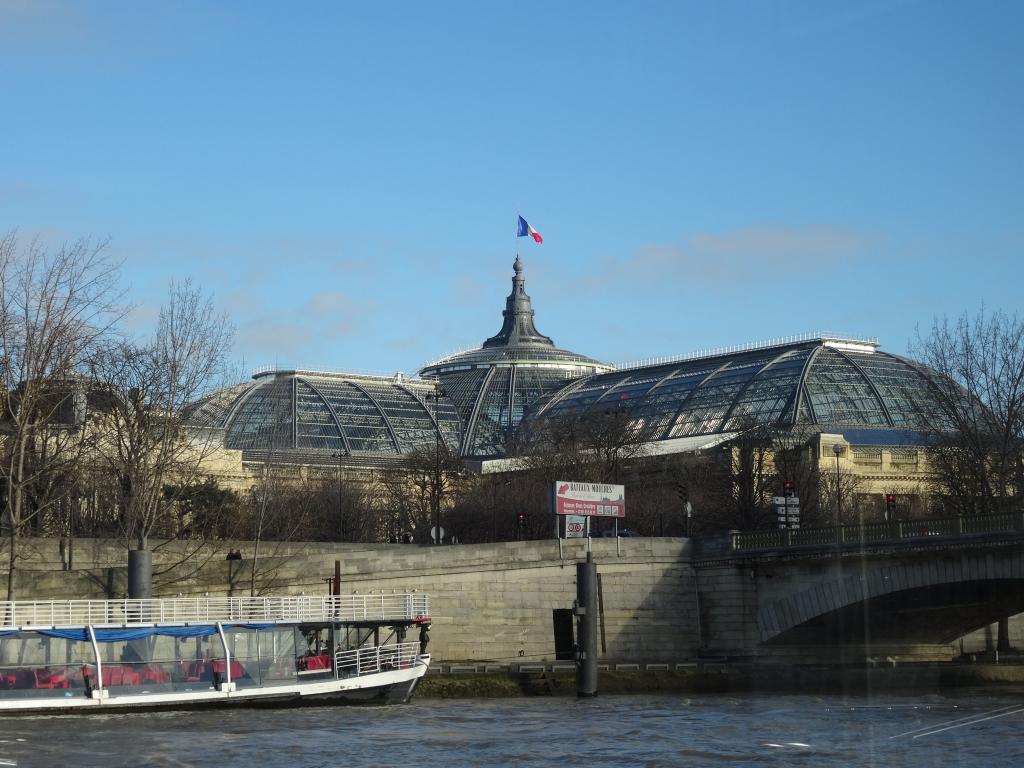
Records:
x=853, y=405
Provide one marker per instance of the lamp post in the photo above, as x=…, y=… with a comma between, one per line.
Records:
x=341, y=496
x=435, y=491
x=837, y=449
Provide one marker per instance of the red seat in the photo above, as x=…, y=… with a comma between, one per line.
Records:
x=323, y=661
x=237, y=670
x=44, y=678
x=195, y=672
x=112, y=675
x=115, y=674
x=151, y=673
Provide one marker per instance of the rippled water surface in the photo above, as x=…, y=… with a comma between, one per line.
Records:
x=742, y=730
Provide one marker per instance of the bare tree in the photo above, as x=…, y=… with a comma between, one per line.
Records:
x=487, y=508
x=796, y=461
x=593, y=447
x=280, y=509
x=342, y=511
x=599, y=446
x=839, y=498
x=145, y=444
x=975, y=423
x=56, y=305
x=420, y=491
x=742, y=481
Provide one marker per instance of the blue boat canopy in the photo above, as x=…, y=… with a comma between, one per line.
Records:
x=123, y=635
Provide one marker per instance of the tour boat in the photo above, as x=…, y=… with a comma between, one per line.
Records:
x=92, y=655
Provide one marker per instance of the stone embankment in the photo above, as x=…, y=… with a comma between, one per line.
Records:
x=492, y=604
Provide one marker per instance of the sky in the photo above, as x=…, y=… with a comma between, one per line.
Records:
x=344, y=178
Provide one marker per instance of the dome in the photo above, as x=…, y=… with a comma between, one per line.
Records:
x=830, y=384
x=328, y=417
x=491, y=386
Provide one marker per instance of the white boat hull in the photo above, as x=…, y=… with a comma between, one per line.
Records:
x=386, y=687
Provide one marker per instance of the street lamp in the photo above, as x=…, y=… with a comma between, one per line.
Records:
x=837, y=449
x=340, y=455
x=435, y=491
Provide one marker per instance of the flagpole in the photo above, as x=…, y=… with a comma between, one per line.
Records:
x=515, y=233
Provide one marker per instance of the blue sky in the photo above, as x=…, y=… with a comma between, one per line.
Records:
x=344, y=178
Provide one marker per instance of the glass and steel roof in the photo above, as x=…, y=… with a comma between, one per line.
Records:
x=337, y=415
x=826, y=383
x=493, y=385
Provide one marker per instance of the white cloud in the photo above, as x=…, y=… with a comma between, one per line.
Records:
x=335, y=314
x=31, y=24
x=748, y=255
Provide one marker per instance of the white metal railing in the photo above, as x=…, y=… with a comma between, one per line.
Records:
x=377, y=375
x=407, y=606
x=381, y=658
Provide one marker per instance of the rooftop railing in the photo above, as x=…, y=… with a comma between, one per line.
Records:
x=378, y=375
x=408, y=606
x=824, y=336
x=880, y=532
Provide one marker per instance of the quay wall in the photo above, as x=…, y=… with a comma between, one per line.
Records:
x=490, y=602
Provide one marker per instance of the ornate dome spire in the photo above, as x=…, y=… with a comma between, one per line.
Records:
x=518, y=328
x=492, y=386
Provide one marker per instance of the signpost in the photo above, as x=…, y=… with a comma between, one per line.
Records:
x=787, y=509
x=577, y=526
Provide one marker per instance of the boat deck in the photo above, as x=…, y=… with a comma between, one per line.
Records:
x=401, y=608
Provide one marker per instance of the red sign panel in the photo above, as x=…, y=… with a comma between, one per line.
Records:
x=590, y=499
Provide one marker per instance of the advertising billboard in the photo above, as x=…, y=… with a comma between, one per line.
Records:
x=590, y=499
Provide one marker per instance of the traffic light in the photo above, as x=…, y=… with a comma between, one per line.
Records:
x=890, y=505
x=520, y=524
x=788, y=489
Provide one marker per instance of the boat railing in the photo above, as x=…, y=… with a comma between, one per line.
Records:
x=407, y=606
x=380, y=658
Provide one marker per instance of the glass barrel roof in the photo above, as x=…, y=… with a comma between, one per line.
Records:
x=825, y=383
x=493, y=385
x=334, y=414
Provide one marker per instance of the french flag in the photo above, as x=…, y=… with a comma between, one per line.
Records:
x=525, y=229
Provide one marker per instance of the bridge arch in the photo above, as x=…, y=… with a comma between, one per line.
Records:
x=921, y=600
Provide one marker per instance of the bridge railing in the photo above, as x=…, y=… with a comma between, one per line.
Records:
x=878, y=532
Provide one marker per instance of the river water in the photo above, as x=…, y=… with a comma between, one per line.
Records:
x=961, y=731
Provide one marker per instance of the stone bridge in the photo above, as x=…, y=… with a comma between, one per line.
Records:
x=908, y=590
